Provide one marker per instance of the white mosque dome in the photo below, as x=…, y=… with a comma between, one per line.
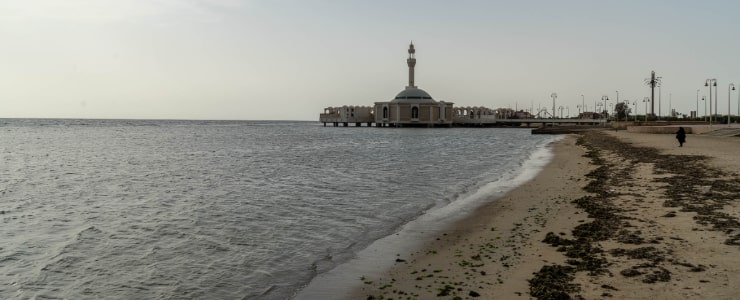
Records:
x=413, y=95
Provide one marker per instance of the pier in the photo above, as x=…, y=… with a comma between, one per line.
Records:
x=356, y=116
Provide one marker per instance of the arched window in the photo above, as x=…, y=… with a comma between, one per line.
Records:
x=415, y=112
x=385, y=112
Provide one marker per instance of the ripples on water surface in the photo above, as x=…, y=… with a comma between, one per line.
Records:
x=219, y=210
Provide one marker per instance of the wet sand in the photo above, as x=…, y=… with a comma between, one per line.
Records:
x=622, y=215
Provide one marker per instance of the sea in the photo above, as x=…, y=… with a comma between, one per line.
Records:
x=169, y=209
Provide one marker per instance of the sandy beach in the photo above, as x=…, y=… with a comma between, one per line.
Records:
x=615, y=215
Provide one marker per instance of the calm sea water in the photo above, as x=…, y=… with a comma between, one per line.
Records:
x=220, y=209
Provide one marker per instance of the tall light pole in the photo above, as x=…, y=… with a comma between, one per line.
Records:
x=553, y=95
x=646, y=100
x=611, y=109
x=728, y=102
x=605, y=98
x=583, y=102
x=660, y=95
x=595, y=101
x=704, y=99
x=626, y=113
x=617, y=96
x=670, y=110
x=697, y=105
x=634, y=103
x=716, y=98
x=709, y=83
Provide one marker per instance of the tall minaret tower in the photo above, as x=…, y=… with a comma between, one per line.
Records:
x=411, y=61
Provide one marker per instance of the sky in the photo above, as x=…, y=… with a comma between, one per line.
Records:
x=289, y=59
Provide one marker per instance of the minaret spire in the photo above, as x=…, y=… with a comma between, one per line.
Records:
x=411, y=61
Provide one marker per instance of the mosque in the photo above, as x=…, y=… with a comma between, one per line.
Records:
x=412, y=107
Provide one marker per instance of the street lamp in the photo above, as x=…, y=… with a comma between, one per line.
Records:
x=613, y=112
x=605, y=98
x=634, y=103
x=626, y=112
x=697, y=104
x=709, y=83
x=704, y=99
x=617, y=96
x=660, y=94
x=553, y=96
x=646, y=100
x=583, y=102
x=728, y=102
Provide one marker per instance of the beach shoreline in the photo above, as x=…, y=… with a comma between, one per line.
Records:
x=661, y=245
x=494, y=250
x=374, y=260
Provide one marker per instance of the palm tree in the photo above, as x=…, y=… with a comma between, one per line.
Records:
x=652, y=82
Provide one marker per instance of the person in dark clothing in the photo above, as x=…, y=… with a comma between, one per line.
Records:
x=681, y=136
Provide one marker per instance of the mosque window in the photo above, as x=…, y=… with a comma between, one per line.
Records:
x=415, y=112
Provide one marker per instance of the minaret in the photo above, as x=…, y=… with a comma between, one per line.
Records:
x=411, y=61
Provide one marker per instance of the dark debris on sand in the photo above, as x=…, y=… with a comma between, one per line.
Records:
x=693, y=186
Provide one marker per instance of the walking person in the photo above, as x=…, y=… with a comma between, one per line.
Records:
x=681, y=136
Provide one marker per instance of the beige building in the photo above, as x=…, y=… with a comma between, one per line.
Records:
x=413, y=107
x=346, y=115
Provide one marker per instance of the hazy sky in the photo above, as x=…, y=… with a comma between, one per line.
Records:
x=287, y=60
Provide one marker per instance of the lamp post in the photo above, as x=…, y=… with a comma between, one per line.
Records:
x=553, y=95
x=583, y=102
x=613, y=113
x=634, y=103
x=646, y=100
x=626, y=112
x=617, y=96
x=605, y=98
x=660, y=96
x=728, y=102
x=709, y=83
x=704, y=99
x=697, y=104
